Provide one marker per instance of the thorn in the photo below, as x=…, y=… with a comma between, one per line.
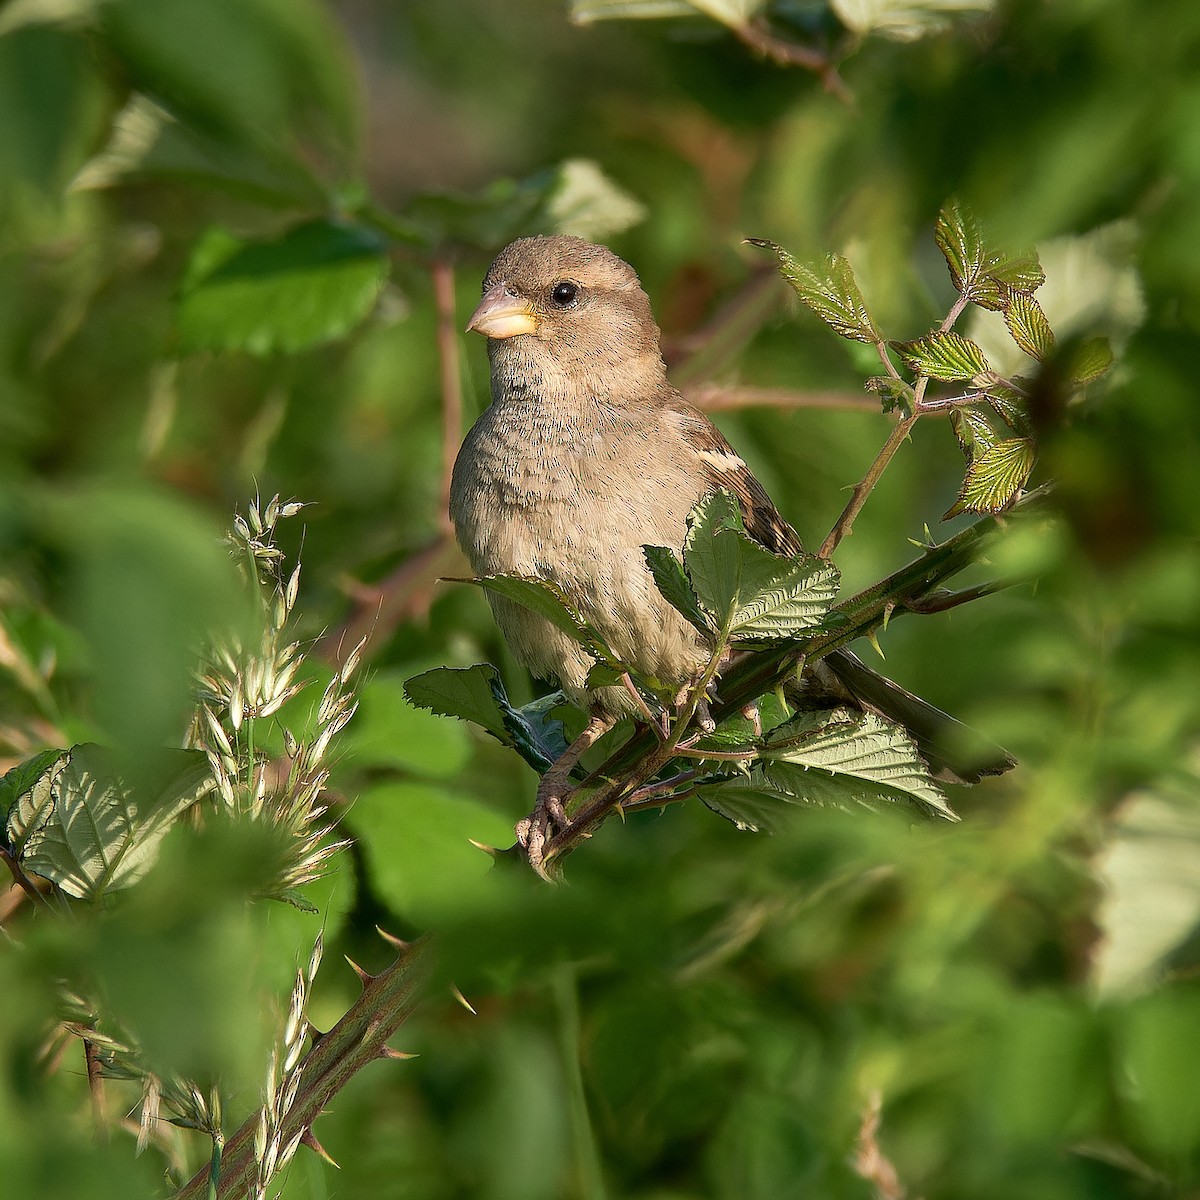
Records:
x=875, y=643
x=314, y=1034
x=490, y=851
x=364, y=977
x=396, y=1055
x=308, y=1138
x=392, y=940
x=463, y=1000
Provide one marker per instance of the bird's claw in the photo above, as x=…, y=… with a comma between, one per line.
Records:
x=535, y=830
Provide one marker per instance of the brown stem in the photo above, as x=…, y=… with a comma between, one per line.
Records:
x=791, y=54
x=360, y=1037
x=95, y=1078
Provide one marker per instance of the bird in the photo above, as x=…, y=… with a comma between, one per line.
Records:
x=586, y=454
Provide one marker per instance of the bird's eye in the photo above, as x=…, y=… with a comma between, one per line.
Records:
x=564, y=294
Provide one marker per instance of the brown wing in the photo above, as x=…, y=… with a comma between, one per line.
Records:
x=723, y=467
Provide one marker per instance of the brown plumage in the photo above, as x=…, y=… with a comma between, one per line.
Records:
x=585, y=455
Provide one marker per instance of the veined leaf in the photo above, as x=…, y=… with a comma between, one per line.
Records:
x=1010, y=406
x=974, y=434
x=995, y=478
x=84, y=828
x=744, y=589
x=25, y=799
x=845, y=757
x=830, y=290
x=728, y=12
x=476, y=694
x=1028, y=325
x=983, y=275
x=671, y=579
x=314, y=283
x=946, y=356
x=751, y=805
x=903, y=20
x=539, y=596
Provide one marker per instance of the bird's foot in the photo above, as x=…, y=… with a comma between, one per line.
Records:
x=534, y=831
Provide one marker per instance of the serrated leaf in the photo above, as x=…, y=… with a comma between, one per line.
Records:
x=745, y=590
x=1028, y=325
x=850, y=758
x=983, y=275
x=314, y=283
x=894, y=393
x=81, y=826
x=948, y=356
x=476, y=694
x=995, y=478
x=830, y=290
x=753, y=806
x=1011, y=406
x=539, y=596
x=1086, y=361
x=25, y=795
x=671, y=579
x=974, y=434
x=960, y=240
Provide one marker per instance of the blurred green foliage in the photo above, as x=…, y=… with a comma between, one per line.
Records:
x=701, y=1012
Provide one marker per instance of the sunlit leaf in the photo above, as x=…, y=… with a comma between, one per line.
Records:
x=1011, y=406
x=539, y=596
x=974, y=434
x=995, y=478
x=728, y=12
x=1028, y=325
x=1087, y=361
x=746, y=590
x=946, y=356
x=585, y=203
x=830, y=290
x=847, y=758
x=904, y=20
x=314, y=283
x=87, y=830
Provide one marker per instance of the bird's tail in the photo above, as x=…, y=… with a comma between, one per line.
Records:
x=955, y=752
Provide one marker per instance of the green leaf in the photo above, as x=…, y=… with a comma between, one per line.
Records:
x=894, y=393
x=1087, y=361
x=830, y=290
x=983, y=275
x=974, y=434
x=148, y=143
x=946, y=356
x=850, y=758
x=904, y=20
x=729, y=12
x=1028, y=325
x=541, y=597
x=311, y=285
x=29, y=781
x=671, y=579
x=995, y=478
x=582, y=201
x=476, y=694
x=81, y=826
x=752, y=805
x=747, y=591
x=1011, y=406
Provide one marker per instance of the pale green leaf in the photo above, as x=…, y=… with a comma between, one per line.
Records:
x=946, y=356
x=729, y=12
x=974, y=434
x=1086, y=361
x=88, y=831
x=904, y=20
x=1028, y=325
x=751, y=805
x=314, y=283
x=747, y=591
x=840, y=758
x=584, y=202
x=996, y=477
x=830, y=290
x=539, y=596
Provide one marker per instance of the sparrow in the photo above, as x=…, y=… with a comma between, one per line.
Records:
x=586, y=454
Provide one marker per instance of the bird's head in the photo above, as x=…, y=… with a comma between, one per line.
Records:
x=566, y=308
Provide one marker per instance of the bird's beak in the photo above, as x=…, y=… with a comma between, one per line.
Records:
x=501, y=314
